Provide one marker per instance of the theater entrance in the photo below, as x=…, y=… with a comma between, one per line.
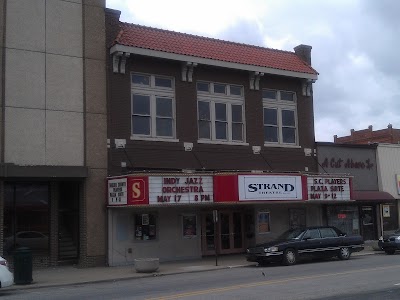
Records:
x=226, y=235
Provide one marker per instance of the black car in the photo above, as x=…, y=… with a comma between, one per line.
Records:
x=390, y=243
x=294, y=244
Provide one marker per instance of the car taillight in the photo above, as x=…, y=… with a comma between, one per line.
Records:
x=3, y=262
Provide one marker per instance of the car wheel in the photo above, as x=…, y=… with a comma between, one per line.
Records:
x=390, y=251
x=344, y=253
x=289, y=257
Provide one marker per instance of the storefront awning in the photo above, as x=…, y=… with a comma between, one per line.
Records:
x=372, y=196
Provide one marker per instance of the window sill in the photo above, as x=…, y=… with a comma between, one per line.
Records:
x=222, y=143
x=153, y=139
x=282, y=146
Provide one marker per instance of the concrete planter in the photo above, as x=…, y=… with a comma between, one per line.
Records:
x=147, y=265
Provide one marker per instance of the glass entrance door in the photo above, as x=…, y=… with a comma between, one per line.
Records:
x=368, y=222
x=229, y=234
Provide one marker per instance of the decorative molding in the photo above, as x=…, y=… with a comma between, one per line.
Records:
x=187, y=71
x=255, y=80
x=119, y=61
x=256, y=149
x=120, y=143
x=188, y=146
x=184, y=71
x=307, y=87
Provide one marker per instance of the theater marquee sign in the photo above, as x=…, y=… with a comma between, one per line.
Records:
x=328, y=188
x=269, y=187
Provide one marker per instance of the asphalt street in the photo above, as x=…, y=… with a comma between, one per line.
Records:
x=363, y=277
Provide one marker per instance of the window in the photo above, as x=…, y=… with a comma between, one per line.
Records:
x=220, y=112
x=280, y=117
x=328, y=233
x=312, y=234
x=145, y=227
x=153, y=106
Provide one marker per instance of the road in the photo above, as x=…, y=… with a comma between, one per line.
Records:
x=362, y=277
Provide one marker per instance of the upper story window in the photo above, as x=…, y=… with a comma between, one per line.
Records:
x=153, y=106
x=280, y=117
x=220, y=112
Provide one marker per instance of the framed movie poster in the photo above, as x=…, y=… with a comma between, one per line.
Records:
x=263, y=222
x=297, y=218
x=189, y=226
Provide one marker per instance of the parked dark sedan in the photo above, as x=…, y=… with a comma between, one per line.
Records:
x=306, y=242
x=390, y=243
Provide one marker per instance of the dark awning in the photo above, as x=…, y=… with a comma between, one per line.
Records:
x=372, y=196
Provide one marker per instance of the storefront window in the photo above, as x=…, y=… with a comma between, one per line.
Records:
x=26, y=217
x=344, y=218
x=145, y=227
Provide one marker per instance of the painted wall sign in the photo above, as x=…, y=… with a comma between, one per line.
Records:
x=349, y=163
x=117, y=191
x=269, y=187
x=180, y=189
x=328, y=188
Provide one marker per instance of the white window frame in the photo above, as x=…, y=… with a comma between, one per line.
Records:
x=227, y=99
x=280, y=105
x=154, y=92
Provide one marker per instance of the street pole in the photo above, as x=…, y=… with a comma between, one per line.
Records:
x=215, y=219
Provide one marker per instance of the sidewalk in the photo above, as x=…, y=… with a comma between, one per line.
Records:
x=70, y=275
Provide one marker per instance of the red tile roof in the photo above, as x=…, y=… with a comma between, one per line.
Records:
x=196, y=46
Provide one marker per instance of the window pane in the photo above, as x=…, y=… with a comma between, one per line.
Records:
x=220, y=111
x=269, y=94
x=289, y=135
x=164, y=107
x=163, y=82
x=219, y=88
x=236, y=90
x=237, y=132
x=287, y=96
x=140, y=79
x=204, y=110
x=236, y=113
x=141, y=105
x=270, y=116
x=203, y=86
x=141, y=125
x=270, y=134
x=204, y=130
x=288, y=118
x=220, y=130
x=164, y=127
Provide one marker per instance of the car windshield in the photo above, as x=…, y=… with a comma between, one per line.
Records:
x=291, y=234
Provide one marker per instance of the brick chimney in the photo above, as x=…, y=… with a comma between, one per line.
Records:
x=304, y=53
x=112, y=24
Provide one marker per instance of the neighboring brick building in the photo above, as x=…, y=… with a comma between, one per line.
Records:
x=368, y=136
x=203, y=130
x=53, y=154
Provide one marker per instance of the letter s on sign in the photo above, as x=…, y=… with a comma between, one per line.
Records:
x=136, y=190
x=252, y=188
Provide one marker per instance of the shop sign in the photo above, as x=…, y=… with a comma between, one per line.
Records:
x=117, y=191
x=386, y=211
x=328, y=188
x=180, y=189
x=269, y=187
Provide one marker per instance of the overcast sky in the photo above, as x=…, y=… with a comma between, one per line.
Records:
x=355, y=46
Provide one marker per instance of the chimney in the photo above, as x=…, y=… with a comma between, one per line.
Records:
x=112, y=25
x=370, y=127
x=304, y=53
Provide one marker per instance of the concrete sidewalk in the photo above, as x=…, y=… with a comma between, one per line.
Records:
x=72, y=275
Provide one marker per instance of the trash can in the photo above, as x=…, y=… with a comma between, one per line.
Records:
x=23, y=266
